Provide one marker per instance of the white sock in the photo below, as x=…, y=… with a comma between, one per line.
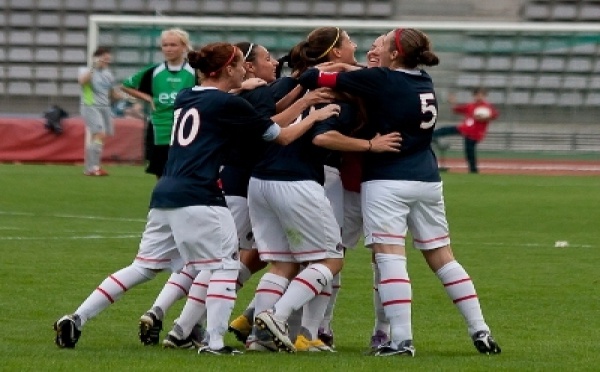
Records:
x=176, y=287
x=269, y=290
x=396, y=295
x=220, y=298
x=381, y=322
x=335, y=289
x=314, y=310
x=111, y=289
x=303, y=288
x=195, y=306
x=461, y=290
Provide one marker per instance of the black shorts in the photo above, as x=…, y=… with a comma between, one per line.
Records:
x=155, y=155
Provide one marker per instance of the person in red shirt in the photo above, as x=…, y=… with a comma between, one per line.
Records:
x=477, y=116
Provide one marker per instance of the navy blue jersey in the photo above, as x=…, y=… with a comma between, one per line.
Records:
x=302, y=160
x=282, y=86
x=206, y=122
x=246, y=152
x=395, y=100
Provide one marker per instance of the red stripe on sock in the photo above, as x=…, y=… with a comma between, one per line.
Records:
x=265, y=290
x=310, y=286
x=200, y=284
x=118, y=283
x=457, y=282
x=188, y=275
x=465, y=298
x=221, y=297
x=390, y=281
x=196, y=299
x=179, y=286
x=326, y=294
x=337, y=286
x=395, y=302
x=106, y=294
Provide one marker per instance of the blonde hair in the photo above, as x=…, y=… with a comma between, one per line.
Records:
x=183, y=36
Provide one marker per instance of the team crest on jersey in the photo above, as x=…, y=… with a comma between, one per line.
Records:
x=235, y=256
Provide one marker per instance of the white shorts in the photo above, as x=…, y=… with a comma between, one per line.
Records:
x=335, y=193
x=98, y=119
x=238, y=206
x=293, y=221
x=391, y=208
x=353, y=221
x=204, y=237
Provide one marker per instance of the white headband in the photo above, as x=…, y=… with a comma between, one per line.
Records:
x=249, y=51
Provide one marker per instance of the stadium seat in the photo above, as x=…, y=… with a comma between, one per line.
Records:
x=19, y=19
x=552, y=64
x=48, y=20
x=296, y=8
x=589, y=12
x=270, y=8
x=76, y=5
x=579, y=64
x=104, y=5
x=47, y=38
x=20, y=55
x=48, y=55
x=74, y=56
x=570, y=99
x=499, y=63
x=20, y=72
x=241, y=7
x=187, y=6
x=324, y=9
x=19, y=88
x=45, y=88
x=18, y=37
x=536, y=12
x=518, y=97
x=469, y=62
x=564, y=12
x=549, y=81
x=521, y=81
x=544, y=98
x=575, y=82
x=351, y=9
x=52, y=5
x=468, y=80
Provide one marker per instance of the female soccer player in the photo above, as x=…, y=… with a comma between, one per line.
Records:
x=292, y=217
x=188, y=216
x=403, y=191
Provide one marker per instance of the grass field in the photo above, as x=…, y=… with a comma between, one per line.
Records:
x=62, y=233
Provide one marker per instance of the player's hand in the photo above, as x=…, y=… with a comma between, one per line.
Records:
x=320, y=95
x=252, y=83
x=325, y=112
x=386, y=143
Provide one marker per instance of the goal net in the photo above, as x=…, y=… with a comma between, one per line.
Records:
x=542, y=76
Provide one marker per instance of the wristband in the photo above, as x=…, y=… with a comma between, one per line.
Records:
x=370, y=146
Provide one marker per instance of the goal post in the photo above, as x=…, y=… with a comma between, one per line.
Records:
x=537, y=73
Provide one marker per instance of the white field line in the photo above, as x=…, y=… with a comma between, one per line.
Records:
x=536, y=167
x=85, y=237
x=81, y=217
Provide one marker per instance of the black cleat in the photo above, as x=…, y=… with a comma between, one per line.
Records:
x=67, y=333
x=405, y=348
x=172, y=342
x=150, y=327
x=485, y=343
x=225, y=350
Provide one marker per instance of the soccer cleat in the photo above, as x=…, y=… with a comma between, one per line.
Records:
x=485, y=343
x=378, y=339
x=97, y=172
x=260, y=340
x=149, y=329
x=67, y=333
x=225, y=350
x=405, y=348
x=241, y=328
x=199, y=336
x=326, y=337
x=278, y=330
x=173, y=342
x=304, y=344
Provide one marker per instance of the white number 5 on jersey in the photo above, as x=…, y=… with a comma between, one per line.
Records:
x=426, y=107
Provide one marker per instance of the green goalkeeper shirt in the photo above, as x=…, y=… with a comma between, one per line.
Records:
x=163, y=85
